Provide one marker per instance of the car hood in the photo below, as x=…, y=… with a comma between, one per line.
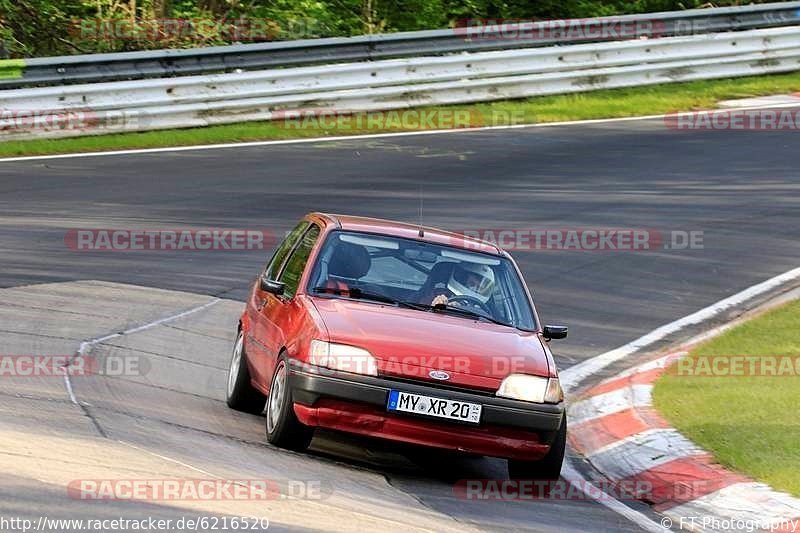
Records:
x=411, y=344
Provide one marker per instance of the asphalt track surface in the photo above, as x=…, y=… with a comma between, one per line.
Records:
x=741, y=189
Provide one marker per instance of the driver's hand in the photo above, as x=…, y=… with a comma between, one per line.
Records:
x=440, y=300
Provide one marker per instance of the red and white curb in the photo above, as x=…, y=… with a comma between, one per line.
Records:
x=614, y=425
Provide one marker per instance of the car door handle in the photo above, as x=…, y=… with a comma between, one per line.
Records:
x=261, y=304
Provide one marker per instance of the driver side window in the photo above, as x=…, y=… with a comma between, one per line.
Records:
x=296, y=263
x=275, y=264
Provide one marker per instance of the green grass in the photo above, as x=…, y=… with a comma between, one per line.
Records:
x=750, y=424
x=611, y=103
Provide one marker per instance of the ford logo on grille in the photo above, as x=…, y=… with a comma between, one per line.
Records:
x=439, y=374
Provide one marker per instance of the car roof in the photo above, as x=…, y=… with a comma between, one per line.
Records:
x=409, y=231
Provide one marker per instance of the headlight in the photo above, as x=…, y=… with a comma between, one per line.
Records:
x=531, y=389
x=342, y=357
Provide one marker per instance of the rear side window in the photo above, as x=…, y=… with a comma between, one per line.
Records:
x=297, y=261
x=283, y=250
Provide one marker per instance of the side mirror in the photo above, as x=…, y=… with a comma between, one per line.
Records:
x=275, y=287
x=554, y=332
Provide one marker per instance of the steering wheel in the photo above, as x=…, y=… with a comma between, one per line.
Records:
x=470, y=300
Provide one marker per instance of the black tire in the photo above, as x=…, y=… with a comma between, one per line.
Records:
x=240, y=393
x=283, y=428
x=549, y=467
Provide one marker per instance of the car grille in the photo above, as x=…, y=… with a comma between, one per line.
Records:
x=439, y=385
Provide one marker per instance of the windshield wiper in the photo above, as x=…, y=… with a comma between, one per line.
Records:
x=360, y=294
x=467, y=312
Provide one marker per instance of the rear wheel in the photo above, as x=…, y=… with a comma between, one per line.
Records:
x=283, y=428
x=549, y=467
x=240, y=393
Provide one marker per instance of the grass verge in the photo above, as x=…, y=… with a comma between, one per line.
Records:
x=610, y=103
x=748, y=422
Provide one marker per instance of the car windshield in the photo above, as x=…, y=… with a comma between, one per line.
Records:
x=422, y=276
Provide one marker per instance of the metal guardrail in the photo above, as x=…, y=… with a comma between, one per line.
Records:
x=170, y=63
x=391, y=84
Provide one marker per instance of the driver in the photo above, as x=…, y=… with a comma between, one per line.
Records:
x=470, y=280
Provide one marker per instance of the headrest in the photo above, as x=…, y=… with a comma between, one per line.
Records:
x=349, y=261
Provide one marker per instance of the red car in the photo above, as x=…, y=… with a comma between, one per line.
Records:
x=400, y=332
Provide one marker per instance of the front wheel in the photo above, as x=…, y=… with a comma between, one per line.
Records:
x=240, y=393
x=549, y=467
x=283, y=428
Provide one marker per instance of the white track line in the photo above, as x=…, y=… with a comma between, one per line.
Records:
x=574, y=375
x=313, y=140
x=170, y=459
x=198, y=147
x=85, y=346
x=660, y=363
x=569, y=473
x=610, y=402
x=70, y=392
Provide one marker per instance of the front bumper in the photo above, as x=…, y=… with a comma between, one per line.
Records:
x=357, y=404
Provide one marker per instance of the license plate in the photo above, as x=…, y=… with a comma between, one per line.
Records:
x=437, y=407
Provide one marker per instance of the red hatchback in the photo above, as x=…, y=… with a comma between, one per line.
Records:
x=400, y=332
